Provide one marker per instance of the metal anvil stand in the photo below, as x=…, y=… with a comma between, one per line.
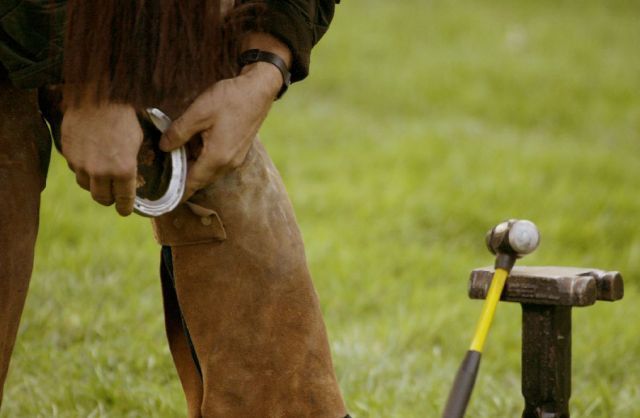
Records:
x=547, y=295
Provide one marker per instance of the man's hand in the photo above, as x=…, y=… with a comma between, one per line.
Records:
x=101, y=143
x=228, y=116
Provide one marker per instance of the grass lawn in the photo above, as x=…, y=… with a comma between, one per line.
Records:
x=422, y=125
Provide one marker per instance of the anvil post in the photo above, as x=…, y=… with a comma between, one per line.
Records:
x=547, y=295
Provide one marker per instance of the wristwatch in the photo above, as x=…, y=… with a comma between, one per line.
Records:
x=256, y=55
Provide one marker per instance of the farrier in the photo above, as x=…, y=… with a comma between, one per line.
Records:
x=242, y=317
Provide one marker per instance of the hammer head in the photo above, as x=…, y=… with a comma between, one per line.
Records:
x=513, y=237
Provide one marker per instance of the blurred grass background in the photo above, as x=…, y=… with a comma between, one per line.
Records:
x=422, y=125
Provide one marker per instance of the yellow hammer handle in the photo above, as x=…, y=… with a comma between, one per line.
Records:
x=489, y=309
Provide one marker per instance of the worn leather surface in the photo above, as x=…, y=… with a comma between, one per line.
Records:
x=189, y=224
x=248, y=301
x=24, y=154
x=179, y=343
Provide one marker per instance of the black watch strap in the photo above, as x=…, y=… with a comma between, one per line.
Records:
x=256, y=55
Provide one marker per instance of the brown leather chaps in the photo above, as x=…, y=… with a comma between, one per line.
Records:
x=242, y=317
x=23, y=162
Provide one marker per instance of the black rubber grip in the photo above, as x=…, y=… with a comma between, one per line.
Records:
x=463, y=386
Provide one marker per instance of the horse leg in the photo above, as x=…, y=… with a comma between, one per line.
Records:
x=24, y=157
x=247, y=299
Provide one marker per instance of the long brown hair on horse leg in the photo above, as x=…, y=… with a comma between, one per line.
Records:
x=143, y=51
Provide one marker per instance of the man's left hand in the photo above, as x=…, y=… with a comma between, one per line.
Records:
x=228, y=116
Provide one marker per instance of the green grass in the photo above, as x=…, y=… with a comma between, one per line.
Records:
x=422, y=125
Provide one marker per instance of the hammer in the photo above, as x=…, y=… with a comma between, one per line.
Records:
x=509, y=241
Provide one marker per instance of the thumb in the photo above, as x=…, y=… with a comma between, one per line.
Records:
x=183, y=129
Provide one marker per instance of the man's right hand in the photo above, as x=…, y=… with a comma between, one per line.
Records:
x=100, y=144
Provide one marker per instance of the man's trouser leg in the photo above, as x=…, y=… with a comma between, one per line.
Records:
x=24, y=156
x=255, y=344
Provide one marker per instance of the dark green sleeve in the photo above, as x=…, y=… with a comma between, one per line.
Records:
x=300, y=24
